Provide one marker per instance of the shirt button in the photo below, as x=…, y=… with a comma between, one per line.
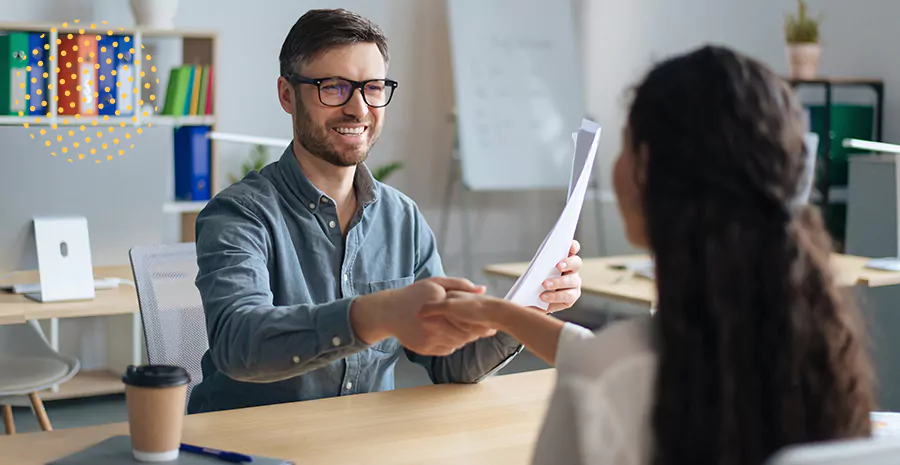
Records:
x=349, y=385
x=336, y=341
x=331, y=224
x=324, y=199
x=296, y=359
x=312, y=206
x=346, y=278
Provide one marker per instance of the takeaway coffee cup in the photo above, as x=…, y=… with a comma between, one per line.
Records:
x=155, y=396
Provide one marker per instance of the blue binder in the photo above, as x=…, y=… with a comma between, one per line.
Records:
x=122, y=75
x=192, y=174
x=106, y=51
x=36, y=80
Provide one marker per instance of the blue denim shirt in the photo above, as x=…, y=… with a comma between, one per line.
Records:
x=277, y=278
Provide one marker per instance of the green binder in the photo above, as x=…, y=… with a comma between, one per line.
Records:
x=13, y=77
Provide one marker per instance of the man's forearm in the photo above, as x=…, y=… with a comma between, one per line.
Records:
x=368, y=319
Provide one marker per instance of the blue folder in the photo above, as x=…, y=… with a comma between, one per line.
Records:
x=192, y=173
x=122, y=74
x=36, y=44
x=106, y=51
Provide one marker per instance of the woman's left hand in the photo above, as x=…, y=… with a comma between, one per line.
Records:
x=562, y=292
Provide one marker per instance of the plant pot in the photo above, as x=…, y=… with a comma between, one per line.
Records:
x=804, y=60
x=156, y=14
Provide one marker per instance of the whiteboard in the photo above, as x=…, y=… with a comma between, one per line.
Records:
x=518, y=92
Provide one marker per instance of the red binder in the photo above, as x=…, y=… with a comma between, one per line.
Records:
x=68, y=66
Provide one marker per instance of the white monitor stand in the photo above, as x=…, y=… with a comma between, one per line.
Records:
x=64, y=259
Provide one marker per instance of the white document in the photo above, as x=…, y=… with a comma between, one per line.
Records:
x=527, y=290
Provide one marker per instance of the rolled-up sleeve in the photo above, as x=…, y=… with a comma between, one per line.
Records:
x=473, y=362
x=250, y=338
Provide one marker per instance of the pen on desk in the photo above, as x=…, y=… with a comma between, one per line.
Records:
x=226, y=456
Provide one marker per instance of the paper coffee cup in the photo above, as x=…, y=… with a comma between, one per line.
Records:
x=155, y=397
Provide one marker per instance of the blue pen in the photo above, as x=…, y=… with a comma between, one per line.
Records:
x=226, y=456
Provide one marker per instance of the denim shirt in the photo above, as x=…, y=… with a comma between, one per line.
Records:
x=277, y=278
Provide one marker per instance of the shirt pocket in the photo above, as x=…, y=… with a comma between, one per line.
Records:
x=391, y=284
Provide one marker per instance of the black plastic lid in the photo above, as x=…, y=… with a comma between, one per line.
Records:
x=159, y=376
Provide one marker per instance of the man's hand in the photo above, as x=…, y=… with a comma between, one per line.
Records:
x=562, y=292
x=393, y=313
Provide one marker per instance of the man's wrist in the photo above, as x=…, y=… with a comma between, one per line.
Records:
x=367, y=318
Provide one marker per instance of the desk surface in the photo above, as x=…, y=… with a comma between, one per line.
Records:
x=496, y=421
x=600, y=280
x=123, y=299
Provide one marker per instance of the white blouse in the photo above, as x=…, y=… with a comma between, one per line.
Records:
x=600, y=410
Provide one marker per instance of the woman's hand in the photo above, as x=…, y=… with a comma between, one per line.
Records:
x=469, y=312
x=562, y=292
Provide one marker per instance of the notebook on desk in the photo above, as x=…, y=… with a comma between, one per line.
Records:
x=117, y=450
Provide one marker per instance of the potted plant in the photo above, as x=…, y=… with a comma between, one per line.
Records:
x=257, y=160
x=801, y=33
x=156, y=14
x=382, y=172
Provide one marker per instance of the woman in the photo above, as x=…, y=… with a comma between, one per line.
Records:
x=752, y=347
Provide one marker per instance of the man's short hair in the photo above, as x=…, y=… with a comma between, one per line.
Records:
x=320, y=30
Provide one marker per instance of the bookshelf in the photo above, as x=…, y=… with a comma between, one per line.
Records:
x=198, y=47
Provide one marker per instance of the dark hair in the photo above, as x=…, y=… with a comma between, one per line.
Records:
x=319, y=30
x=757, y=347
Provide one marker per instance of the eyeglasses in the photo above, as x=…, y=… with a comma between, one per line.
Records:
x=336, y=91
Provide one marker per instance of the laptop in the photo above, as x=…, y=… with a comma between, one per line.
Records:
x=64, y=259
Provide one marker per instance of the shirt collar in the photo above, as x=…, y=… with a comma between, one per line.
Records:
x=365, y=184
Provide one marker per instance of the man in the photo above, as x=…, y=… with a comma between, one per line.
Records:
x=311, y=272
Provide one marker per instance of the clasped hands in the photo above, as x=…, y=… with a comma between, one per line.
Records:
x=437, y=316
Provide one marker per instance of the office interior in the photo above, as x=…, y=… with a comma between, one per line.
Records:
x=129, y=199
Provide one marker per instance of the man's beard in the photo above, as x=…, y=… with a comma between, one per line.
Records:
x=315, y=139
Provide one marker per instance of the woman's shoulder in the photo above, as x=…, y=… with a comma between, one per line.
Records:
x=617, y=345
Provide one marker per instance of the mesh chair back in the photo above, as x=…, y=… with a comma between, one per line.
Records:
x=171, y=308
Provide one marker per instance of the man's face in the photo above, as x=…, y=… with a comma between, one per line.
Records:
x=341, y=135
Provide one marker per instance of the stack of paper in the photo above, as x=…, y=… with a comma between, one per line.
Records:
x=527, y=290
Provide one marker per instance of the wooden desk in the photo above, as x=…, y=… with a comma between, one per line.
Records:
x=599, y=280
x=494, y=422
x=122, y=300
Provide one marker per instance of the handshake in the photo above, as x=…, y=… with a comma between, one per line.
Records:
x=437, y=316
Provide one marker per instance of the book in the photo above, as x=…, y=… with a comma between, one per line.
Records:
x=189, y=86
x=13, y=77
x=204, y=86
x=209, y=92
x=117, y=450
x=195, y=89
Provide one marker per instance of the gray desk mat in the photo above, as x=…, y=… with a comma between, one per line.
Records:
x=117, y=450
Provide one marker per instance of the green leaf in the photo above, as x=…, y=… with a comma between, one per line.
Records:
x=257, y=160
x=381, y=173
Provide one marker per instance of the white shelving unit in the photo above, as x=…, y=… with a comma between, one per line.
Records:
x=198, y=47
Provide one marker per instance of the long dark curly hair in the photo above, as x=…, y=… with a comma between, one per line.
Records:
x=758, y=348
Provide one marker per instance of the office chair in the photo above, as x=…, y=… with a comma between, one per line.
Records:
x=866, y=451
x=171, y=308
x=28, y=365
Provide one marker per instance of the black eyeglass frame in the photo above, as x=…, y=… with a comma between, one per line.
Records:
x=296, y=79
